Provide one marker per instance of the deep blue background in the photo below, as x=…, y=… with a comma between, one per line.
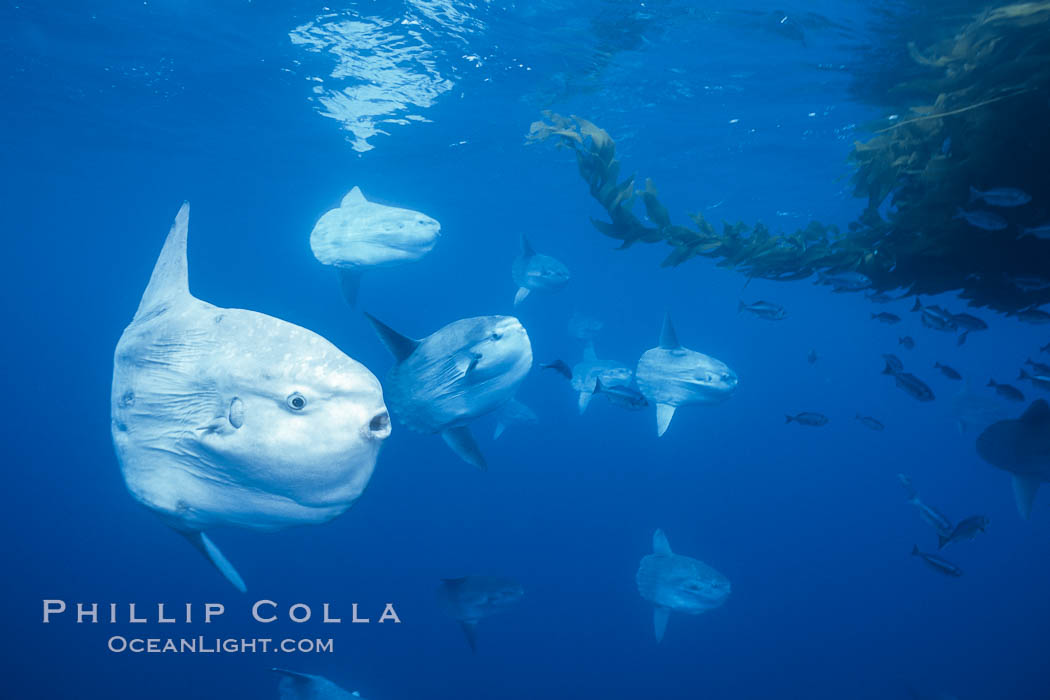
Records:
x=116, y=113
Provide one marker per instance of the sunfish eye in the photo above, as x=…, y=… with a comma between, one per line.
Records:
x=296, y=401
x=496, y=335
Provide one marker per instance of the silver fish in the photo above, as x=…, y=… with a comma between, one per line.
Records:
x=763, y=309
x=1001, y=196
x=1006, y=391
x=938, y=564
x=870, y=422
x=982, y=219
x=845, y=281
x=1042, y=231
x=809, y=418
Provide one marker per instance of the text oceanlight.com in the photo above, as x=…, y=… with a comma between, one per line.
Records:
x=215, y=645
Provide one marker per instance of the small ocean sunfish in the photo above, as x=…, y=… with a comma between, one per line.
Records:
x=672, y=582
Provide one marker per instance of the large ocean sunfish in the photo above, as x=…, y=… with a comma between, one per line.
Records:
x=231, y=417
x=463, y=371
x=671, y=375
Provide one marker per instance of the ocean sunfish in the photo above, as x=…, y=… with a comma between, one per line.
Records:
x=1021, y=446
x=670, y=376
x=470, y=598
x=459, y=373
x=532, y=270
x=231, y=417
x=304, y=686
x=360, y=234
x=589, y=372
x=673, y=582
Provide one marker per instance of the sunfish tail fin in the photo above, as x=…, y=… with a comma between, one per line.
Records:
x=463, y=444
x=206, y=547
x=400, y=346
x=170, y=279
x=350, y=283
x=660, y=616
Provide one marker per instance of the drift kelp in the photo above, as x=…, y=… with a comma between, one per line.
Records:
x=989, y=89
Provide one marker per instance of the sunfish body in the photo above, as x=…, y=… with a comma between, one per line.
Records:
x=673, y=582
x=231, y=417
x=670, y=376
x=591, y=371
x=532, y=270
x=1021, y=446
x=305, y=686
x=465, y=370
x=470, y=598
x=360, y=234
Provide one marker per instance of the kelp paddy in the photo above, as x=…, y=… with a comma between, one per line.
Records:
x=935, y=219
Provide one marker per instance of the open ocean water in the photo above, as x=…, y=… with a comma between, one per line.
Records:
x=264, y=115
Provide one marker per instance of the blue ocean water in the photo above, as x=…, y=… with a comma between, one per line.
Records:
x=263, y=115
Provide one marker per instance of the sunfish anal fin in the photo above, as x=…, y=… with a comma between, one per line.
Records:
x=664, y=414
x=470, y=631
x=521, y=294
x=660, y=615
x=668, y=338
x=1024, y=493
x=400, y=346
x=585, y=400
x=208, y=549
x=170, y=279
x=500, y=427
x=350, y=283
x=462, y=443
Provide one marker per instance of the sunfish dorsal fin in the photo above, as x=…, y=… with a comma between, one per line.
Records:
x=660, y=543
x=293, y=674
x=400, y=346
x=354, y=196
x=462, y=443
x=207, y=548
x=1037, y=413
x=589, y=355
x=1025, y=487
x=170, y=279
x=526, y=247
x=668, y=338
